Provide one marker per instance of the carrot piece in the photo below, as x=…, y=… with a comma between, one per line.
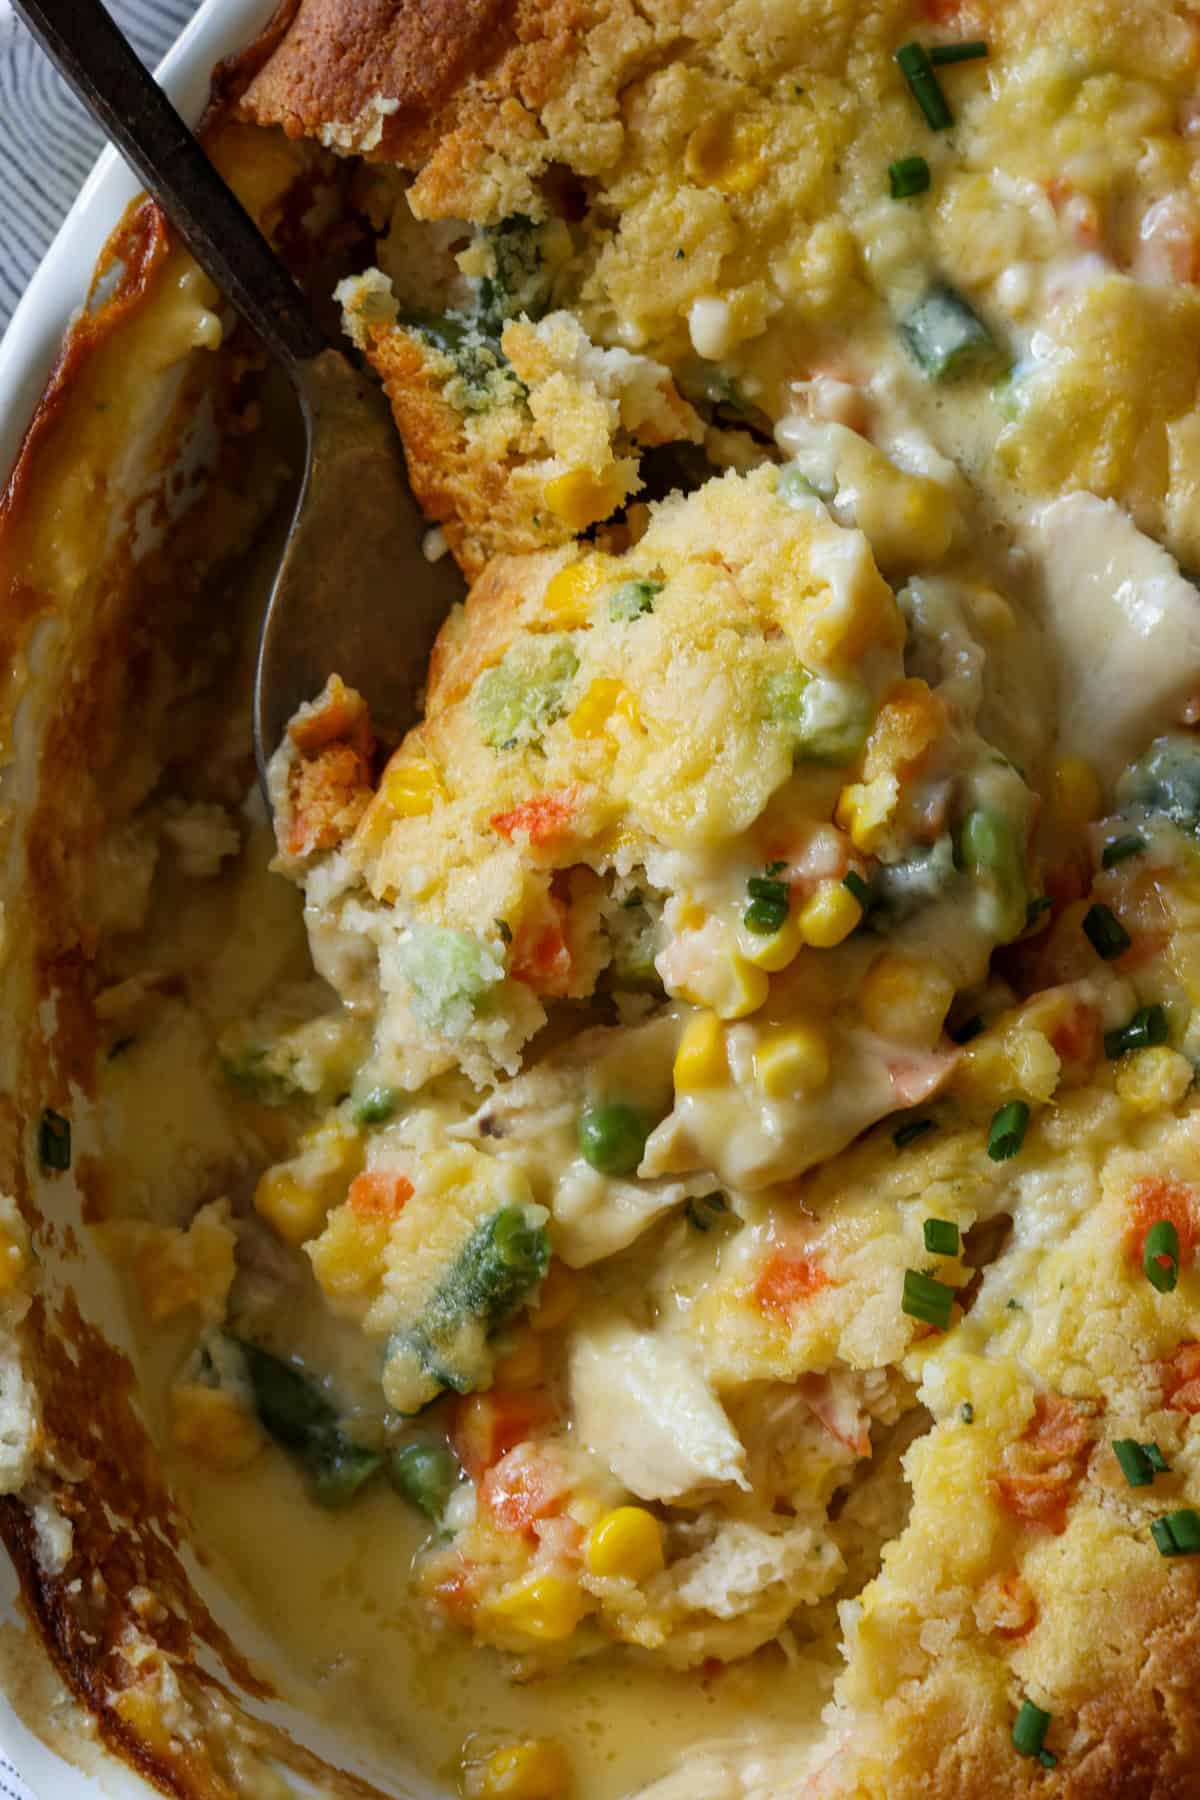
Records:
x=487, y=1426
x=1047, y=1463
x=785, y=1280
x=1181, y=1379
x=1155, y=1198
x=543, y=821
x=377, y=1195
x=522, y=1487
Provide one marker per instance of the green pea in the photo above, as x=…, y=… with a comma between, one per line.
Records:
x=426, y=1475
x=376, y=1106
x=612, y=1137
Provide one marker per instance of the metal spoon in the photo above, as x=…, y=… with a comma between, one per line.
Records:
x=354, y=592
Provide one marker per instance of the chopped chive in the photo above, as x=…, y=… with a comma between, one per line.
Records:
x=1160, y=1256
x=942, y=55
x=505, y=930
x=705, y=1212
x=941, y=1237
x=768, y=908
x=971, y=1028
x=1156, y=1459
x=908, y=1134
x=1135, y=1464
x=917, y=70
x=966, y=1413
x=1120, y=848
x=1160, y=1531
x=54, y=1141
x=1105, y=932
x=858, y=887
x=1047, y=1759
x=926, y=1299
x=907, y=177
x=1029, y=1729
x=1037, y=908
x=1177, y=1533
x=1007, y=1132
x=1147, y=1027
x=777, y=867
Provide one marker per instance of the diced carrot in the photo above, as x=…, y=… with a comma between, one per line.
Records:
x=1076, y=1036
x=541, y=954
x=1065, y=882
x=1181, y=1379
x=1155, y=1198
x=455, y=1593
x=543, y=821
x=521, y=1487
x=785, y=1280
x=1046, y=1464
x=377, y=1195
x=487, y=1426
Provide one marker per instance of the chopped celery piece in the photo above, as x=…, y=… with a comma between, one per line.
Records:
x=633, y=598
x=989, y=853
x=947, y=338
x=449, y=974
x=515, y=702
x=829, y=717
x=1165, y=780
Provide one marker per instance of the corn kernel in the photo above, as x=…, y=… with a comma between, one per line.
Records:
x=1078, y=796
x=580, y=498
x=213, y=1426
x=1153, y=1078
x=792, y=1063
x=776, y=950
x=730, y=985
x=603, y=697
x=412, y=788
x=830, y=915
x=557, y=1298
x=535, y=1769
x=540, y=1605
x=864, y=809
x=524, y=1364
x=569, y=593
x=627, y=1542
x=291, y=1207
x=906, y=999
x=727, y=154
x=348, y=1256
x=700, y=1058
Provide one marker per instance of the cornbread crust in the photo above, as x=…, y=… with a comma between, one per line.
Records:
x=437, y=67
x=949, y=1736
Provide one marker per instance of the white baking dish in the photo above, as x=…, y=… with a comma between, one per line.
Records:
x=27, y=356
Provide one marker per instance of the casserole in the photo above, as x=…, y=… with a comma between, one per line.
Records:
x=570, y=1198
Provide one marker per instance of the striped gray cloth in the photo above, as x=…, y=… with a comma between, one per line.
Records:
x=47, y=146
x=47, y=141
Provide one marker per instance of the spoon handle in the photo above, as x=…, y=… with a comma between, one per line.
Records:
x=93, y=57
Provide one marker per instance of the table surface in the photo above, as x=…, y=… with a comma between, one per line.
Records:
x=47, y=141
